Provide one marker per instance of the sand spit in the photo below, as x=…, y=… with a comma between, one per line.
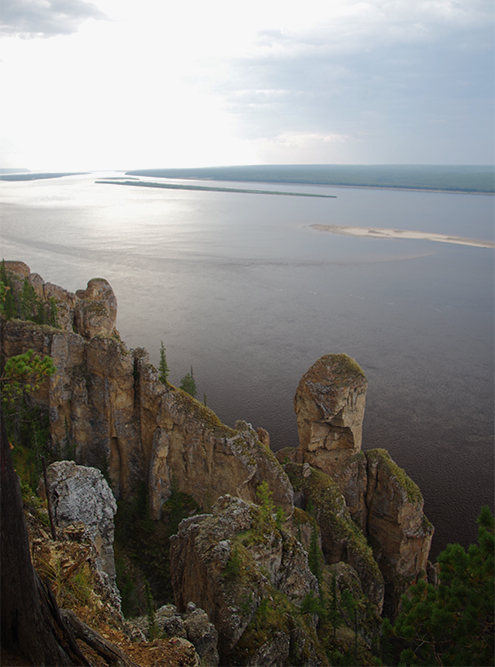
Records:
x=384, y=233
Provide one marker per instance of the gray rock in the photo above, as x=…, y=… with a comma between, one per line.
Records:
x=80, y=493
x=202, y=634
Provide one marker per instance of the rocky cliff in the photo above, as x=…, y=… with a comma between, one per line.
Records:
x=108, y=409
x=382, y=500
x=331, y=521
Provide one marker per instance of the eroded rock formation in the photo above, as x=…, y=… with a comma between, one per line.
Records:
x=232, y=563
x=383, y=501
x=108, y=409
x=329, y=405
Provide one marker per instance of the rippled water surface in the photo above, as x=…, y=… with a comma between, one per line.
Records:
x=241, y=288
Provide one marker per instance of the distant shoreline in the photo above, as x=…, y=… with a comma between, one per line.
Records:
x=402, y=188
x=384, y=233
x=465, y=179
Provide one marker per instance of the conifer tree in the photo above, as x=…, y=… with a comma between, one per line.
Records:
x=188, y=384
x=163, y=368
x=453, y=624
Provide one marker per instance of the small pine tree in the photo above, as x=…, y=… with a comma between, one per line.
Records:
x=188, y=384
x=314, y=559
x=163, y=368
x=152, y=626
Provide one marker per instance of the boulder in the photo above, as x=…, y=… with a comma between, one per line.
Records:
x=79, y=493
x=202, y=634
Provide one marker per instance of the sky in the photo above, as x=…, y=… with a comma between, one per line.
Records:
x=115, y=84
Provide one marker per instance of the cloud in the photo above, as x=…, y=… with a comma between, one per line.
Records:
x=388, y=67
x=45, y=18
x=307, y=139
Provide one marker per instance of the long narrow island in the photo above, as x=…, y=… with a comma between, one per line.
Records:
x=182, y=186
x=387, y=233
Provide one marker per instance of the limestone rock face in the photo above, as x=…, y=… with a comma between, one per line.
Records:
x=182, y=438
x=65, y=301
x=227, y=576
x=96, y=310
x=79, y=493
x=399, y=529
x=109, y=410
x=329, y=405
x=382, y=500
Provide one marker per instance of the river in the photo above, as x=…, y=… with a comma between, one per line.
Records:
x=241, y=288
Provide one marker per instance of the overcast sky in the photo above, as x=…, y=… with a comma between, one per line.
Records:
x=115, y=84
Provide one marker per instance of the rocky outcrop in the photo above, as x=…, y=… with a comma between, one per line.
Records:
x=193, y=625
x=90, y=312
x=233, y=563
x=82, y=494
x=399, y=531
x=329, y=405
x=341, y=540
x=108, y=409
x=95, y=312
x=383, y=501
x=184, y=440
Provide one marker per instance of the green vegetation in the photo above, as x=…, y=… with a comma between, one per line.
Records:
x=188, y=384
x=142, y=548
x=276, y=616
x=343, y=364
x=457, y=178
x=268, y=517
x=23, y=374
x=153, y=630
x=18, y=299
x=452, y=624
x=163, y=369
x=411, y=488
x=27, y=425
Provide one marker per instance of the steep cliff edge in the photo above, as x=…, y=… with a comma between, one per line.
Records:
x=356, y=515
x=108, y=409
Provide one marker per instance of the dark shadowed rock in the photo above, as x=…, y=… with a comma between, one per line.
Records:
x=229, y=561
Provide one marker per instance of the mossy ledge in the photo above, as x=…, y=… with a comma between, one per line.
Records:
x=412, y=490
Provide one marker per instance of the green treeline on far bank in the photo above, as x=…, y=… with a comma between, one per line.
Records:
x=451, y=178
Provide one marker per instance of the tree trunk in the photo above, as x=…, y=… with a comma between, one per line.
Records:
x=108, y=651
x=30, y=621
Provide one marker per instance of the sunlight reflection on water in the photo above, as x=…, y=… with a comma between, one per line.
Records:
x=240, y=287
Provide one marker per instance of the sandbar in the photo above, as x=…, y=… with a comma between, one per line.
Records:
x=386, y=233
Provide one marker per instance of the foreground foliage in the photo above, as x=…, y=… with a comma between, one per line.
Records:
x=453, y=624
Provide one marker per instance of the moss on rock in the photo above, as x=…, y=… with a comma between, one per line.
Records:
x=382, y=457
